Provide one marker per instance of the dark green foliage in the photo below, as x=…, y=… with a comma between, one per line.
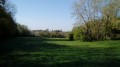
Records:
x=71, y=37
x=8, y=27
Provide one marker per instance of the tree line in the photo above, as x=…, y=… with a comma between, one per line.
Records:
x=49, y=34
x=96, y=20
x=8, y=26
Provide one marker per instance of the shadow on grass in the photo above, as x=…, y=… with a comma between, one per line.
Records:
x=36, y=52
x=24, y=45
x=28, y=44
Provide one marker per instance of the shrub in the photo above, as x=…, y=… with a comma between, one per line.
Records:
x=71, y=38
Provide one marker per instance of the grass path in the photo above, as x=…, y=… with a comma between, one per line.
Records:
x=41, y=52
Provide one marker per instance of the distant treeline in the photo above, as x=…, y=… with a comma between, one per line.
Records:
x=50, y=34
x=10, y=29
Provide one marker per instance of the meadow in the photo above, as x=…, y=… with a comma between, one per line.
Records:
x=55, y=52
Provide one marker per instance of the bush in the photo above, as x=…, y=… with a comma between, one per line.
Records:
x=23, y=31
x=71, y=38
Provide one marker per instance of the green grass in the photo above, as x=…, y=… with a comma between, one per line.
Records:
x=54, y=52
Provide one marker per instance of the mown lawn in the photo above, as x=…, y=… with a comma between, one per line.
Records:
x=42, y=52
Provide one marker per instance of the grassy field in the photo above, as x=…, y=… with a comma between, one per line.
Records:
x=42, y=52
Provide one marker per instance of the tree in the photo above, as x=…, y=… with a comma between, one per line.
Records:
x=110, y=13
x=8, y=27
x=23, y=30
x=86, y=11
x=95, y=18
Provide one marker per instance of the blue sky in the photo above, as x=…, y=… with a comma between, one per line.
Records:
x=45, y=14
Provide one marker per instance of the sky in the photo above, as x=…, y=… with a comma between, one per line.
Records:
x=45, y=14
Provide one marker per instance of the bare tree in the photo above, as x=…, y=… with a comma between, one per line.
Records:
x=95, y=15
x=86, y=11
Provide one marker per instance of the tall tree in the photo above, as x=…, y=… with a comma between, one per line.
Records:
x=86, y=11
x=110, y=13
x=97, y=17
x=8, y=27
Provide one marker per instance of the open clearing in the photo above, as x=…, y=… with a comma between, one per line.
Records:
x=49, y=52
